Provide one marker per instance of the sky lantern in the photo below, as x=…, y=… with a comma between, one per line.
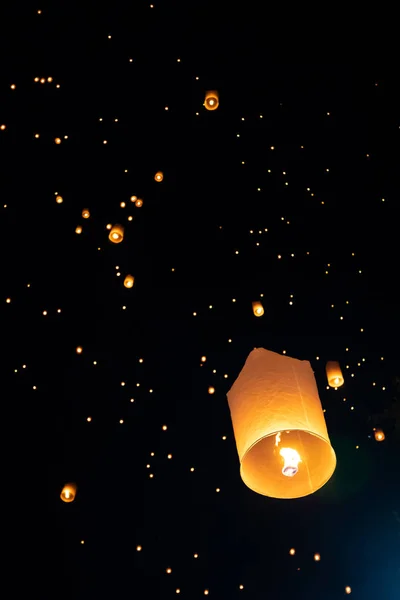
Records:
x=68, y=492
x=279, y=426
x=138, y=202
x=258, y=309
x=116, y=234
x=59, y=199
x=85, y=213
x=129, y=281
x=211, y=101
x=334, y=374
x=159, y=176
x=379, y=435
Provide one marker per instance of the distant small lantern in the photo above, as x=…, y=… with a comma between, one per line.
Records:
x=379, y=435
x=138, y=202
x=85, y=213
x=159, y=176
x=78, y=229
x=280, y=431
x=129, y=281
x=58, y=140
x=59, y=199
x=116, y=234
x=68, y=492
x=211, y=101
x=258, y=309
x=334, y=374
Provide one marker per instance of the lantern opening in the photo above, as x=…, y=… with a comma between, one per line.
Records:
x=261, y=466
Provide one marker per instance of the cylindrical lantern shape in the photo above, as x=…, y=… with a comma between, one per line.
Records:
x=334, y=374
x=68, y=492
x=159, y=176
x=116, y=234
x=211, y=101
x=379, y=435
x=279, y=426
x=258, y=309
x=85, y=213
x=129, y=281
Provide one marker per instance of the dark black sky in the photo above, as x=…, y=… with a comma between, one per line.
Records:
x=193, y=222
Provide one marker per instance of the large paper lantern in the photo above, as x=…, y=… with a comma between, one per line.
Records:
x=211, y=101
x=258, y=309
x=68, y=492
x=334, y=374
x=116, y=234
x=279, y=426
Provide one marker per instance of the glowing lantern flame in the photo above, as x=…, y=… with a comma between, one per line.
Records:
x=379, y=435
x=290, y=456
x=292, y=459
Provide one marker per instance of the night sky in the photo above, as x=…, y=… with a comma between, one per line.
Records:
x=286, y=194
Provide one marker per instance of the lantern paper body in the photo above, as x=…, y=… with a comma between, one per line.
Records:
x=211, y=101
x=116, y=234
x=258, y=309
x=68, y=492
x=334, y=374
x=273, y=395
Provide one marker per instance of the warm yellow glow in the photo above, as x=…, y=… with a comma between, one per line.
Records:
x=85, y=213
x=258, y=309
x=58, y=140
x=279, y=427
x=78, y=229
x=116, y=234
x=292, y=551
x=68, y=492
x=211, y=390
x=79, y=350
x=159, y=176
x=379, y=435
x=129, y=281
x=138, y=202
x=334, y=374
x=347, y=589
x=59, y=199
x=317, y=557
x=211, y=101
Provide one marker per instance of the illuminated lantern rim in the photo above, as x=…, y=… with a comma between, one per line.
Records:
x=322, y=453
